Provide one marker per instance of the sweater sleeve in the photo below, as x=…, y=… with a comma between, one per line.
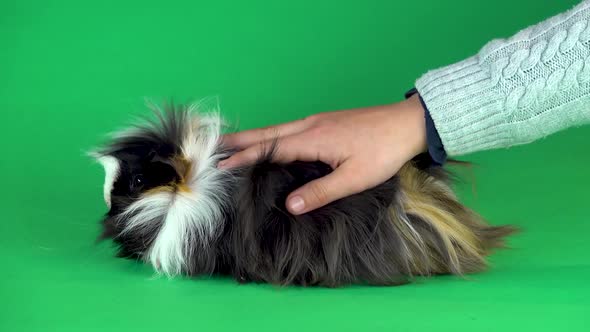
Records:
x=514, y=90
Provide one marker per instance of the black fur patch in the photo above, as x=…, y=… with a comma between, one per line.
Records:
x=348, y=241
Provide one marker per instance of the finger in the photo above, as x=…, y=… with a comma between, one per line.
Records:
x=245, y=157
x=286, y=149
x=343, y=182
x=248, y=138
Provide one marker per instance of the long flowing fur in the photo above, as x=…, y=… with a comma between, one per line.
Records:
x=172, y=207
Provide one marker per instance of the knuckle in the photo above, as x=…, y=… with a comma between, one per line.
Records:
x=317, y=131
x=311, y=118
x=244, y=157
x=319, y=193
x=257, y=151
x=237, y=159
x=269, y=133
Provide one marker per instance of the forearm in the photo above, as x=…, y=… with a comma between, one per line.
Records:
x=514, y=90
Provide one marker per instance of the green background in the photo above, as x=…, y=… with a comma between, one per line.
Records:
x=71, y=71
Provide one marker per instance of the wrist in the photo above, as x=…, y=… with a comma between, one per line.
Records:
x=418, y=142
x=434, y=144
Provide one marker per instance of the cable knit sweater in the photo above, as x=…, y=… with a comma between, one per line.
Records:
x=514, y=90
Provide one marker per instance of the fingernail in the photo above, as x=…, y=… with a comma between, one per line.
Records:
x=222, y=164
x=296, y=204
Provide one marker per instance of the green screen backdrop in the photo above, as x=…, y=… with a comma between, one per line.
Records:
x=71, y=71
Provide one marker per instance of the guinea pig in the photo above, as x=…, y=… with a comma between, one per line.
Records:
x=172, y=207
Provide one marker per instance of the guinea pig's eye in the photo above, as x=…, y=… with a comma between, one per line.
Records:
x=137, y=182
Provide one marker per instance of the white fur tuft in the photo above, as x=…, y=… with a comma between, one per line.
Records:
x=111, y=169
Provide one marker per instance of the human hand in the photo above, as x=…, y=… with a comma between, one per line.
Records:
x=365, y=147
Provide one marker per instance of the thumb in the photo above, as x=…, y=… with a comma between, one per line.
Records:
x=325, y=190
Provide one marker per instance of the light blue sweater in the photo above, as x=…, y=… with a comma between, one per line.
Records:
x=514, y=90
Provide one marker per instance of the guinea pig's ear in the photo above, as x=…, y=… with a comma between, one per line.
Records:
x=112, y=168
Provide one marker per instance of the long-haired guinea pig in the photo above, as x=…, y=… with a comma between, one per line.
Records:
x=170, y=206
